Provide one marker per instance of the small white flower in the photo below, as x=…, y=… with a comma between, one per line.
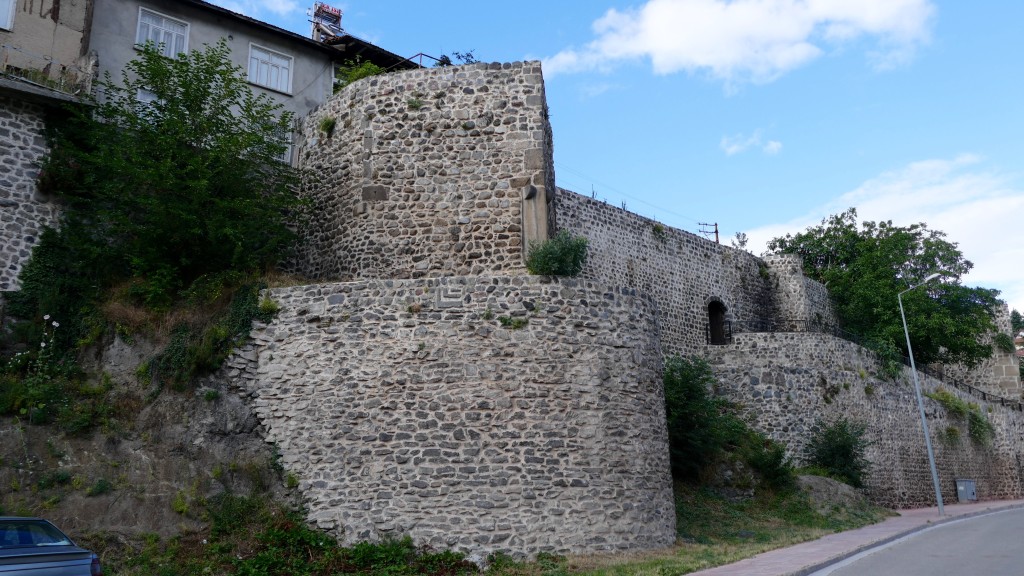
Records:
x=42, y=344
x=47, y=317
x=56, y=324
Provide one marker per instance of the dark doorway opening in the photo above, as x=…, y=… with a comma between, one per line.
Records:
x=716, y=323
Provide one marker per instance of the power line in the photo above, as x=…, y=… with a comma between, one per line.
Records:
x=591, y=179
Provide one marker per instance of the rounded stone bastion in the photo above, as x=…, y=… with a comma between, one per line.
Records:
x=482, y=414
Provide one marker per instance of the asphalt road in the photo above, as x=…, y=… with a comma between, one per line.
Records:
x=989, y=545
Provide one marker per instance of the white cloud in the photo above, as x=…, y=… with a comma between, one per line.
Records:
x=977, y=208
x=747, y=40
x=732, y=145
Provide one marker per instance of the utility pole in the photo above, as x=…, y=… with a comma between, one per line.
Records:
x=706, y=230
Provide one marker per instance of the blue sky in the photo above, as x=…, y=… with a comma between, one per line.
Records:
x=761, y=115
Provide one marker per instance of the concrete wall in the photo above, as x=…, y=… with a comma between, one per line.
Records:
x=427, y=173
x=23, y=212
x=789, y=383
x=49, y=36
x=116, y=21
x=408, y=407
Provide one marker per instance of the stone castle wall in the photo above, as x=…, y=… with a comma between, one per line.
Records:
x=431, y=172
x=788, y=383
x=684, y=272
x=797, y=296
x=506, y=413
x=23, y=212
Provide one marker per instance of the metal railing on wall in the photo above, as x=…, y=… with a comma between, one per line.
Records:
x=724, y=335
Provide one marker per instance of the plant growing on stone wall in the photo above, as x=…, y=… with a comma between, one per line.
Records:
x=951, y=436
x=839, y=448
x=513, y=323
x=659, y=231
x=415, y=103
x=1004, y=342
x=563, y=255
x=979, y=428
x=327, y=125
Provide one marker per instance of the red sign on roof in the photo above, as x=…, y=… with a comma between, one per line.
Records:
x=325, y=10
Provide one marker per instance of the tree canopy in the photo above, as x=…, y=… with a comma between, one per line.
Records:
x=865, y=267
x=172, y=181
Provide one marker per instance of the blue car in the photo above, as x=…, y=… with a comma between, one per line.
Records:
x=34, y=547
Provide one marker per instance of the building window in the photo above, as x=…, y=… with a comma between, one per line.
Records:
x=6, y=14
x=285, y=137
x=270, y=69
x=170, y=35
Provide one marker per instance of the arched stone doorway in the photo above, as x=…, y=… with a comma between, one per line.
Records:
x=717, y=333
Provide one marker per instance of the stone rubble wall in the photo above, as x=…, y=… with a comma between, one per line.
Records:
x=1000, y=374
x=797, y=296
x=409, y=407
x=23, y=212
x=426, y=173
x=684, y=272
x=788, y=383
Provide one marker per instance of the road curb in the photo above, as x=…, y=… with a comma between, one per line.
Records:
x=808, y=570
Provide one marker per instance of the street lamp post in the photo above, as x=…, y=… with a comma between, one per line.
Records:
x=917, y=391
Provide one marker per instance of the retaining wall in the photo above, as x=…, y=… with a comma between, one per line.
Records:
x=518, y=414
x=789, y=383
x=23, y=212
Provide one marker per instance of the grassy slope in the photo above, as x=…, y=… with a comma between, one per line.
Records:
x=247, y=536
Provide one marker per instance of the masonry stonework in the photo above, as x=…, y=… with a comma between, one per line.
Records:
x=486, y=414
x=684, y=273
x=789, y=384
x=23, y=212
x=427, y=173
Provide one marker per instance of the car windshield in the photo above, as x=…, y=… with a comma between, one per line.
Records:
x=28, y=533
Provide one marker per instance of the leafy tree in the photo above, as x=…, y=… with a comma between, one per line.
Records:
x=865, y=267
x=1016, y=321
x=173, y=194
x=839, y=449
x=700, y=426
x=354, y=70
x=703, y=429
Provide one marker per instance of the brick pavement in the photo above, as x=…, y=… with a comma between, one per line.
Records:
x=809, y=557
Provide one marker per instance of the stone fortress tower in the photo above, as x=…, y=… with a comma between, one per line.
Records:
x=430, y=387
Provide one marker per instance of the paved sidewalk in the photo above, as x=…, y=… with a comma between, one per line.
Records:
x=809, y=557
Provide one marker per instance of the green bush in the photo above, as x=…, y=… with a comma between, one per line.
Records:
x=354, y=70
x=839, y=448
x=200, y=348
x=769, y=460
x=1004, y=342
x=700, y=427
x=563, y=255
x=171, y=200
x=979, y=428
